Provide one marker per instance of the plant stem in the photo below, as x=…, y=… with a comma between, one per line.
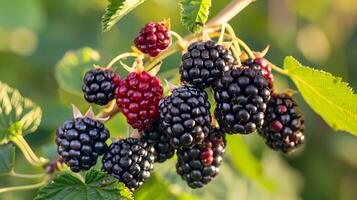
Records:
x=245, y=47
x=24, y=187
x=25, y=148
x=109, y=111
x=171, y=50
x=120, y=57
x=278, y=69
x=28, y=176
x=178, y=37
x=221, y=36
x=230, y=11
x=236, y=46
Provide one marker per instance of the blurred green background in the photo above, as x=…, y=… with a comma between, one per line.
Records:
x=35, y=34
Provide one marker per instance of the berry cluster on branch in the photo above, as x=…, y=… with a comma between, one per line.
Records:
x=245, y=101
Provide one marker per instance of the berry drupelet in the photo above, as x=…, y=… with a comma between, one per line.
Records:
x=160, y=141
x=283, y=127
x=80, y=141
x=200, y=164
x=204, y=62
x=153, y=39
x=137, y=97
x=241, y=95
x=185, y=116
x=262, y=65
x=130, y=161
x=98, y=86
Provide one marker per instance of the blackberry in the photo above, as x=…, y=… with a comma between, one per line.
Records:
x=241, y=95
x=130, y=161
x=283, y=127
x=262, y=65
x=160, y=141
x=153, y=39
x=185, y=116
x=80, y=141
x=200, y=164
x=204, y=63
x=137, y=97
x=98, y=86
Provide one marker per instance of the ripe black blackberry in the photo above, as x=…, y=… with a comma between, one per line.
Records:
x=262, y=65
x=160, y=141
x=185, y=116
x=241, y=95
x=80, y=141
x=204, y=63
x=130, y=161
x=200, y=164
x=98, y=86
x=283, y=127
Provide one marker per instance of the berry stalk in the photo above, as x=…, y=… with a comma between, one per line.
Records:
x=26, y=176
x=25, y=148
x=25, y=187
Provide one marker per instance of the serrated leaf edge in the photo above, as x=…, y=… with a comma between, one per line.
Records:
x=117, y=10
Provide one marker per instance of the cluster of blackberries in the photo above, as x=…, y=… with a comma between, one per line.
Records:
x=180, y=122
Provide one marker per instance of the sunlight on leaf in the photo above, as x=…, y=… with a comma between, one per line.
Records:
x=194, y=14
x=327, y=95
x=97, y=186
x=116, y=10
x=17, y=114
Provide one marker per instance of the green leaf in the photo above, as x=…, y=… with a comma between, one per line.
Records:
x=18, y=115
x=194, y=14
x=7, y=158
x=97, y=186
x=245, y=162
x=327, y=95
x=116, y=10
x=70, y=69
x=161, y=189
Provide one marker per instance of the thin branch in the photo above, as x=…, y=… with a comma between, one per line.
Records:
x=110, y=112
x=27, y=176
x=230, y=11
x=27, y=151
x=277, y=69
x=24, y=187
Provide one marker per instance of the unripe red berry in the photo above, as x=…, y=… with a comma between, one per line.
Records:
x=153, y=39
x=137, y=97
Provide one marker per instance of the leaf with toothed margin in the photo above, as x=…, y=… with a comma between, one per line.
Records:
x=18, y=115
x=116, y=10
x=194, y=14
x=96, y=186
x=327, y=95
